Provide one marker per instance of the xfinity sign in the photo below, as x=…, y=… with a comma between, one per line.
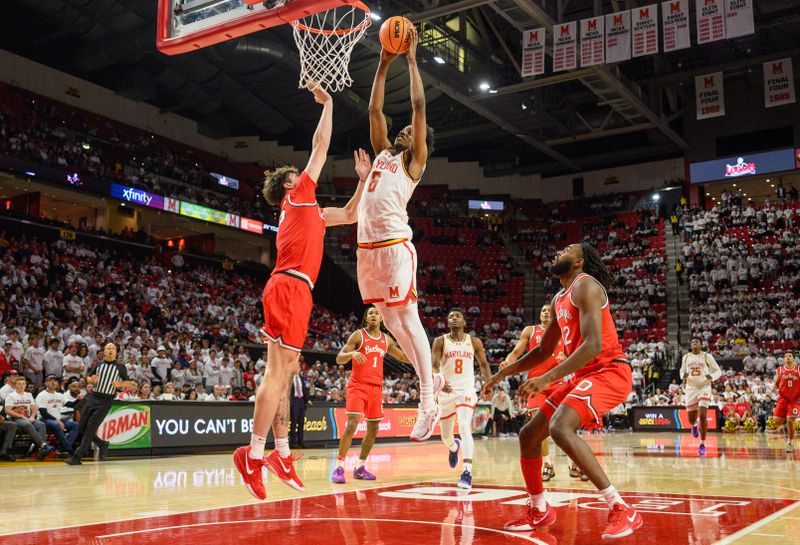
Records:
x=137, y=196
x=739, y=166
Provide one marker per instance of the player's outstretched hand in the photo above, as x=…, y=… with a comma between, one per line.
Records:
x=359, y=358
x=488, y=388
x=411, y=54
x=363, y=163
x=533, y=387
x=321, y=96
x=386, y=56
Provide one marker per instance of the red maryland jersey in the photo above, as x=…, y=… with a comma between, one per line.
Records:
x=371, y=371
x=536, y=339
x=301, y=230
x=569, y=320
x=789, y=385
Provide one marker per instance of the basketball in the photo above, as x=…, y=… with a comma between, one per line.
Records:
x=396, y=34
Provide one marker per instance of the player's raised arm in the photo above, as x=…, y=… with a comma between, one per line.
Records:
x=378, y=131
x=322, y=136
x=349, y=351
x=520, y=348
x=436, y=353
x=480, y=355
x=419, y=122
x=349, y=213
x=393, y=349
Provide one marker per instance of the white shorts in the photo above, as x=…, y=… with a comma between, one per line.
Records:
x=449, y=402
x=697, y=397
x=388, y=275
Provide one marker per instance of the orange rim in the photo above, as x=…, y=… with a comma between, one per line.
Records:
x=341, y=31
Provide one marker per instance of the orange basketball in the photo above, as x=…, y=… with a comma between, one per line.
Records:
x=396, y=34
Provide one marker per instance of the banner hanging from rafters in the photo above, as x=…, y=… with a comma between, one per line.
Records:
x=778, y=83
x=592, y=41
x=645, y=30
x=710, y=21
x=739, y=18
x=533, y=52
x=710, y=95
x=565, y=46
x=675, y=23
x=618, y=36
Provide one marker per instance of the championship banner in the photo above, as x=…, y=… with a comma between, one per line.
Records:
x=592, y=41
x=645, y=30
x=710, y=95
x=565, y=46
x=739, y=18
x=618, y=36
x=533, y=52
x=778, y=83
x=675, y=25
x=710, y=21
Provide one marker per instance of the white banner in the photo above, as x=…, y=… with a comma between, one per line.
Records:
x=710, y=21
x=172, y=205
x=618, y=36
x=645, y=30
x=675, y=23
x=710, y=95
x=533, y=52
x=592, y=41
x=778, y=83
x=739, y=18
x=565, y=46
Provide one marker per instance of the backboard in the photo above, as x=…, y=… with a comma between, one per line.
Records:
x=188, y=25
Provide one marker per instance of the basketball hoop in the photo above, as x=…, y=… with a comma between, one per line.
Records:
x=326, y=40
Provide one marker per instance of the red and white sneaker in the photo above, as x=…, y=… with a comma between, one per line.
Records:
x=622, y=521
x=425, y=423
x=532, y=520
x=250, y=470
x=283, y=468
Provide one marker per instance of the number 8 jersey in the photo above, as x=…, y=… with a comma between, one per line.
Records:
x=458, y=364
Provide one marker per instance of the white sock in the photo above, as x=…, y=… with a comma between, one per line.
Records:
x=702, y=441
x=257, y=446
x=611, y=496
x=361, y=462
x=546, y=460
x=282, y=446
x=537, y=501
x=468, y=466
x=404, y=323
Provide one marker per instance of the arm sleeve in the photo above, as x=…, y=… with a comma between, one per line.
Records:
x=305, y=192
x=713, y=368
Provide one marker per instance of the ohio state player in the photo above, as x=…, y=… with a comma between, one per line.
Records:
x=386, y=258
x=787, y=382
x=530, y=338
x=287, y=296
x=602, y=381
x=366, y=348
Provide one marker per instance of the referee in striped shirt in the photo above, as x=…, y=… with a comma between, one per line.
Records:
x=108, y=377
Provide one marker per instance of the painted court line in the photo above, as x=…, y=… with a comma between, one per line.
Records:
x=756, y=525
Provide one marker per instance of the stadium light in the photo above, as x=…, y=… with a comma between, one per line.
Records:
x=656, y=196
x=483, y=86
x=492, y=91
x=438, y=59
x=375, y=16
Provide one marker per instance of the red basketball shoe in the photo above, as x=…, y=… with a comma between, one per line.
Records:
x=250, y=470
x=283, y=468
x=622, y=521
x=532, y=519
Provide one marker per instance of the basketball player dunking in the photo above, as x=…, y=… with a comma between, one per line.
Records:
x=787, y=382
x=387, y=260
x=454, y=357
x=366, y=348
x=601, y=381
x=530, y=338
x=698, y=370
x=287, y=294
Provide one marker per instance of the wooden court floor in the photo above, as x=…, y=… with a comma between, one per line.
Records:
x=745, y=491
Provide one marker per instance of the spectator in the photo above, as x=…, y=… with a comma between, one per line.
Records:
x=74, y=365
x=503, y=409
x=50, y=403
x=161, y=365
x=22, y=410
x=33, y=361
x=54, y=359
x=8, y=430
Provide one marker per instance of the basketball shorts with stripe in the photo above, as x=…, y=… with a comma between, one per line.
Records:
x=449, y=402
x=388, y=275
x=364, y=399
x=287, y=310
x=593, y=395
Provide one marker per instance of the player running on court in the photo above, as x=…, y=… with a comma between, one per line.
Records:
x=530, y=338
x=287, y=294
x=601, y=381
x=366, y=348
x=787, y=409
x=454, y=356
x=387, y=260
x=698, y=370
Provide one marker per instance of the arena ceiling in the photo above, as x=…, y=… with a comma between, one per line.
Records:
x=586, y=118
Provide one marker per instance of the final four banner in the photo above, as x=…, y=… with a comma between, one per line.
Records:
x=645, y=30
x=778, y=83
x=618, y=36
x=565, y=46
x=533, y=52
x=710, y=95
x=710, y=20
x=675, y=23
x=592, y=41
x=739, y=18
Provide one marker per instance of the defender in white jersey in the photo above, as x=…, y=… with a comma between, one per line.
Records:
x=698, y=370
x=387, y=260
x=454, y=356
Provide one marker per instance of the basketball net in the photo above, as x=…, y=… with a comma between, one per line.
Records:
x=326, y=40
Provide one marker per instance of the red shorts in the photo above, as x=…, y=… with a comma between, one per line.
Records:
x=535, y=402
x=287, y=310
x=786, y=407
x=364, y=399
x=592, y=395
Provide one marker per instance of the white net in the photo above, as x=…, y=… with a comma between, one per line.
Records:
x=326, y=40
